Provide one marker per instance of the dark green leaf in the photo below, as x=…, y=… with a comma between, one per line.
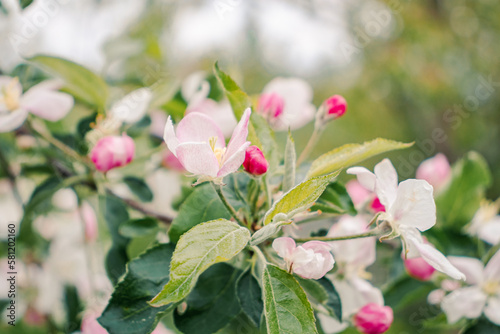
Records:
x=73, y=307
x=213, y=303
x=138, y=227
x=483, y=326
x=139, y=188
x=323, y=292
x=335, y=199
x=250, y=297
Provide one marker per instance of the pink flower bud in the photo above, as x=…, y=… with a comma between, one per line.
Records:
x=436, y=171
x=335, y=106
x=255, y=163
x=377, y=206
x=373, y=319
x=271, y=105
x=419, y=269
x=112, y=151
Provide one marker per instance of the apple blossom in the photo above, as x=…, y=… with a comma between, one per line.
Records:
x=113, y=151
x=436, y=171
x=255, y=163
x=481, y=296
x=309, y=260
x=42, y=100
x=286, y=103
x=410, y=209
x=358, y=194
x=199, y=145
x=419, y=268
x=132, y=107
x=377, y=206
x=332, y=108
x=373, y=319
x=486, y=223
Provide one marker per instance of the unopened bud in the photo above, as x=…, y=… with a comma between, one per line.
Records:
x=419, y=268
x=373, y=319
x=334, y=107
x=255, y=163
x=112, y=151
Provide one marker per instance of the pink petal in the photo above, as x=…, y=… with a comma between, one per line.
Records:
x=492, y=310
x=357, y=192
x=234, y=162
x=466, y=302
x=239, y=137
x=198, y=128
x=414, y=205
x=472, y=268
x=169, y=136
x=436, y=170
x=387, y=182
x=437, y=260
x=10, y=121
x=284, y=246
x=492, y=269
x=198, y=158
x=365, y=177
x=47, y=104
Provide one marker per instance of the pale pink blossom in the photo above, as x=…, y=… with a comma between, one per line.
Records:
x=43, y=100
x=199, y=145
x=113, y=151
x=132, y=107
x=286, y=103
x=359, y=194
x=436, y=171
x=255, y=163
x=373, y=319
x=158, y=120
x=419, y=268
x=486, y=223
x=309, y=260
x=170, y=161
x=482, y=295
x=90, y=221
x=410, y=209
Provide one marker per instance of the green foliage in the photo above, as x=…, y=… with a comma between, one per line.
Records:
x=138, y=227
x=139, y=188
x=79, y=81
x=351, y=154
x=286, y=306
x=238, y=99
x=250, y=296
x=298, y=199
x=199, y=248
x=322, y=292
x=213, y=303
x=335, y=200
x=128, y=311
x=483, y=326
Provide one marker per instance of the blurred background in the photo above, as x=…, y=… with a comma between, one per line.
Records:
x=424, y=71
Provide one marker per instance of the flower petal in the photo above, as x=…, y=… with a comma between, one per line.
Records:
x=466, y=302
x=365, y=177
x=198, y=158
x=234, y=162
x=133, y=106
x=239, y=136
x=492, y=310
x=12, y=120
x=492, y=269
x=490, y=232
x=414, y=205
x=284, y=246
x=47, y=104
x=386, y=184
x=15, y=86
x=169, y=136
x=197, y=127
x=471, y=267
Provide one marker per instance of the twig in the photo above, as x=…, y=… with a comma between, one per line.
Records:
x=229, y=207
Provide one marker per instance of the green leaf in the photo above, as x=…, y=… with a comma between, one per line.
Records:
x=336, y=200
x=267, y=232
x=298, y=199
x=458, y=203
x=324, y=293
x=483, y=326
x=73, y=306
x=128, y=311
x=250, y=297
x=238, y=99
x=286, y=306
x=290, y=161
x=213, y=303
x=139, y=188
x=351, y=154
x=199, y=248
x=79, y=81
x=138, y=227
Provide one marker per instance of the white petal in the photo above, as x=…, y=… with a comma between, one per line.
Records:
x=490, y=232
x=133, y=106
x=10, y=121
x=386, y=184
x=466, y=302
x=492, y=269
x=414, y=205
x=234, y=162
x=197, y=127
x=471, y=267
x=47, y=104
x=198, y=158
x=284, y=246
x=492, y=310
x=239, y=136
x=169, y=136
x=366, y=178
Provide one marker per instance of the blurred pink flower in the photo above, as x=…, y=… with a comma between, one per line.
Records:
x=158, y=120
x=90, y=221
x=113, y=151
x=373, y=319
x=357, y=192
x=42, y=100
x=419, y=268
x=486, y=222
x=255, y=163
x=333, y=107
x=436, y=171
x=310, y=260
x=170, y=161
x=199, y=145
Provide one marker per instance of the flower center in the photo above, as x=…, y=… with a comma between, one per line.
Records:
x=218, y=151
x=491, y=287
x=10, y=95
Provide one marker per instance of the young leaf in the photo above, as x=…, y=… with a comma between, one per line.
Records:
x=298, y=199
x=199, y=248
x=351, y=154
x=267, y=232
x=128, y=311
x=335, y=199
x=290, y=161
x=250, y=297
x=79, y=81
x=138, y=227
x=286, y=306
x=213, y=303
x=139, y=188
x=324, y=293
x=238, y=99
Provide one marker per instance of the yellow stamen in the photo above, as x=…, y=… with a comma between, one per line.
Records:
x=218, y=151
x=10, y=95
x=491, y=287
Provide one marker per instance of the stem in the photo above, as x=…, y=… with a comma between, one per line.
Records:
x=372, y=233
x=4, y=163
x=266, y=190
x=310, y=145
x=491, y=252
x=228, y=206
